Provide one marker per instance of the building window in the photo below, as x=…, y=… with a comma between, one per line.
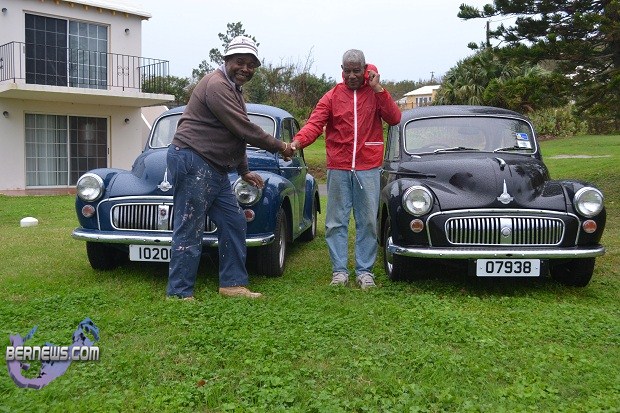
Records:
x=88, y=145
x=88, y=46
x=422, y=101
x=66, y=52
x=46, y=50
x=61, y=148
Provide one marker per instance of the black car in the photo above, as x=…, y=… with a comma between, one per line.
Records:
x=467, y=185
x=128, y=214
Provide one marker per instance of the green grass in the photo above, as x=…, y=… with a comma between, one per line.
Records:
x=441, y=345
x=315, y=158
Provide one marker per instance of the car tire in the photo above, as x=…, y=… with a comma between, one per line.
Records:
x=310, y=233
x=394, y=264
x=574, y=273
x=102, y=256
x=271, y=258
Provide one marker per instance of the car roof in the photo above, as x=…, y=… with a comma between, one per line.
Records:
x=457, y=110
x=251, y=108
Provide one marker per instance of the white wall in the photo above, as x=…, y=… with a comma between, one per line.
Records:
x=124, y=139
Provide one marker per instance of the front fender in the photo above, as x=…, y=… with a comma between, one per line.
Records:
x=391, y=208
x=275, y=192
x=108, y=175
x=570, y=189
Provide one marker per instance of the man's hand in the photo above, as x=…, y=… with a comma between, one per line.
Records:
x=287, y=151
x=254, y=179
x=373, y=81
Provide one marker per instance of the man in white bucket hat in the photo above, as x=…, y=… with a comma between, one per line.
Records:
x=210, y=142
x=243, y=45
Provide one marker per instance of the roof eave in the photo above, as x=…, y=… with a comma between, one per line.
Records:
x=117, y=6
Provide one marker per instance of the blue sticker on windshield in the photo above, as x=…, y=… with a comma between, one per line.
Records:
x=523, y=141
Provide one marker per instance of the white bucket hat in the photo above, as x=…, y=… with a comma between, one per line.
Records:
x=242, y=45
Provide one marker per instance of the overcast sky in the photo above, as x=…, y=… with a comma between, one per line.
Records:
x=405, y=39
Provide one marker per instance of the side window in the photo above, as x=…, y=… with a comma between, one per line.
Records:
x=294, y=129
x=392, y=151
x=287, y=130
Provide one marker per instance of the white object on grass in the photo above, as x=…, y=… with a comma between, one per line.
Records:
x=29, y=222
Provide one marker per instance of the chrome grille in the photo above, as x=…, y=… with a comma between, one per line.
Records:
x=505, y=231
x=147, y=217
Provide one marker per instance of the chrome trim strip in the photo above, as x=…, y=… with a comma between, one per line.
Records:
x=465, y=253
x=503, y=211
x=143, y=239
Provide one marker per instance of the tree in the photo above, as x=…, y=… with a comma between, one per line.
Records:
x=172, y=85
x=486, y=79
x=581, y=37
x=287, y=86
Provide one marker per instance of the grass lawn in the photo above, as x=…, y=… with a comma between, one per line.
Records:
x=439, y=345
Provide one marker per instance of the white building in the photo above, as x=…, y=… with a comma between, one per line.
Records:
x=72, y=86
x=422, y=96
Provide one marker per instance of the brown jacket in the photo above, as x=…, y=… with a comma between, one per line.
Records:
x=215, y=124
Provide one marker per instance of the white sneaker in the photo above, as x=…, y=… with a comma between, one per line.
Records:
x=365, y=280
x=340, y=278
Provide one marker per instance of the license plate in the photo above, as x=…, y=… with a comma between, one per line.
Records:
x=149, y=253
x=507, y=268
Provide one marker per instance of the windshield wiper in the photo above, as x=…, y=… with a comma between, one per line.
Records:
x=509, y=148
x=455, y=148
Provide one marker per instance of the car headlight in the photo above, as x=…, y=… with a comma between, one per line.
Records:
x=246, y=193
x=89, y=187
x=417, y=200
x=588, y=201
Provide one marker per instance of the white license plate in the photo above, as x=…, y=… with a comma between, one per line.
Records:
x=149, y=253
x=507, y=268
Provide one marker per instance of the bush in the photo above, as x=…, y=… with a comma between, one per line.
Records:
x=557, y=122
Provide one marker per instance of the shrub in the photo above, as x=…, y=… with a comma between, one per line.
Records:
x=557, y=122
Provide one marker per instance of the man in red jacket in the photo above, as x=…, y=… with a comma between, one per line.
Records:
x=352, y=114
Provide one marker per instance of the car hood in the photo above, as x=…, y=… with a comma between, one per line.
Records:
x=148, y=176
x=486, y=181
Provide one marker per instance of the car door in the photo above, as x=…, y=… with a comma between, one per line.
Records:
x=295, y=171
x=391, y=156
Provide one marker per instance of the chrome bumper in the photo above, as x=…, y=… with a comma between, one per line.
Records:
x=492, y=252
x=135, y=238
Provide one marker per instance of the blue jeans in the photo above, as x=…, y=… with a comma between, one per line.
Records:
x=343, y=194
x=200, y=189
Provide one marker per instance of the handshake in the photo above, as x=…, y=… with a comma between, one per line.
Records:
x=289, y=149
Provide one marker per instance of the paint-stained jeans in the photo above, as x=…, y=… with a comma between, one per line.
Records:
x=358, y=191
x=199, y=189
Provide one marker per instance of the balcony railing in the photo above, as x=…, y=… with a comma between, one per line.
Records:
x=62, y=66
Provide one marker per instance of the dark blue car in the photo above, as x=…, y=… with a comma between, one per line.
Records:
x=128, y=214
x=466, y=187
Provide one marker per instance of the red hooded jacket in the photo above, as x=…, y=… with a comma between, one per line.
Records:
x=353, y=127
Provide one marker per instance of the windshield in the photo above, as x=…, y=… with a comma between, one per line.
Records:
x=165, y=128
x=449, y=134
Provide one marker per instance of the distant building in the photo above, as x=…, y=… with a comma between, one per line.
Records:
x=72, y=87
x=420, y=97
